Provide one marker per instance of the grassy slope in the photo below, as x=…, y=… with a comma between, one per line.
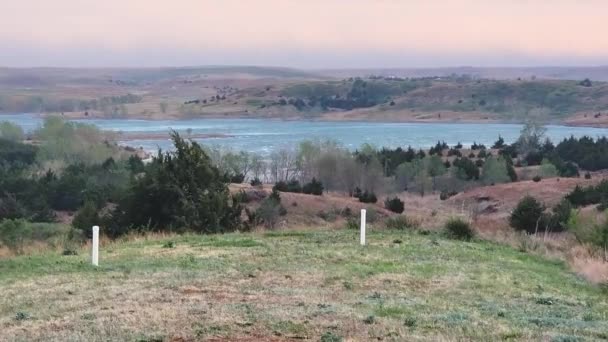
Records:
x=282, y=286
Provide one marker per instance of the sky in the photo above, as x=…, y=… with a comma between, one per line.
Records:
x=308, y=34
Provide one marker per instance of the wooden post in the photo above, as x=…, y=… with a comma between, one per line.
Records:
x=95, y=249
x=362, y=227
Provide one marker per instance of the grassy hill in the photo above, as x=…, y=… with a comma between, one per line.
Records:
x=193, y=92
x=291, y=285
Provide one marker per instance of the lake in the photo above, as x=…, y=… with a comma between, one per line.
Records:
x=264, y=136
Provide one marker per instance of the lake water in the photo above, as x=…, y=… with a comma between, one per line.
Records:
x=264, y=136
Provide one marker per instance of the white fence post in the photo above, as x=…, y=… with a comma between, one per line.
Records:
x=95, y=251
x=362, y=227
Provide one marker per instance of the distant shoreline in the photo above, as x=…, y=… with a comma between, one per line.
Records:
x=427, y=120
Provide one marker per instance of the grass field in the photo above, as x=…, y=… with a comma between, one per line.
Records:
x=292, y=285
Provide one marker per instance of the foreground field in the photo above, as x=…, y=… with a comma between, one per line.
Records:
x=317, y=285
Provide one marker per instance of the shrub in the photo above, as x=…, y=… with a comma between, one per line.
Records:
x=588, y=230
x=459, y=229
x=394, y=204
x=368, y=197
x=314, y=187
x=536, y=178
x=444, y=195
x=280, y=186
x=528, y=215
x=275, y=195
x=255, y=182
x=294, y=186
x=328, y=216
x=269, y=212
x=13, y=234
x=371, y=215
x=400, y=222
x=352, y=223
x=561, y=212
x=329, y=336
x=237, y=178
x=181, y=189
x=86, y=218
x=467, y=169
x=587, y=175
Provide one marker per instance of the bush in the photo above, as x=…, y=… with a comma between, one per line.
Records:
x=86, y=218
x=13, y=234
x=561, y=212
x=400, y=222
x=589, y=230
x=256, y=182
x=352, y=223
x=368, y=197
x=394, y=204
x=313, y=188
x=181, y=189
x=294, y=186
x=280, y=186
x=528, y=215
x=587, y=175
x=275, y=195
x=237, y=178
x=459, y=229
x=444, y=195
x=269, y=212
x=536, y=178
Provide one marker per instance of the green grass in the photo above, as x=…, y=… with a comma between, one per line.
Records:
x=299, y=285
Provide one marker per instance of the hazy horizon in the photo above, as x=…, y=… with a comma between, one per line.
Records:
x=309, y=35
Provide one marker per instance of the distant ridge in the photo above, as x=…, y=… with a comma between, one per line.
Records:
x=597, y=73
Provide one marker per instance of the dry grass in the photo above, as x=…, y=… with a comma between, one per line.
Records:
x=292, y=285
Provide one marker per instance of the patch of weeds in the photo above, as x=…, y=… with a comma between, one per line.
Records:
x=22, y=316
x=545, y=301
x=511, y=335
x=212, y=330
x=375, y=295
x=188, y=260
x=391, y=311
x=565, y=338
x=330, y=280
x=289, y=233
x=588, y=317
x=410, y=322
x=169, y=244
x=352, y=223
x=400, y=222
x=329, y=336
x=457, y=228
x=247, y=242
x=369, y=320
x=289, y=329
x=397, y=241
x=348, y=285
x=543, y=322
x=327, y=216
x=455, y=318
x=88, y=316
x=68, y=252
x=150, y=339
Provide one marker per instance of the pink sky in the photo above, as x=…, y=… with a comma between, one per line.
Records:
x=305, y=33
